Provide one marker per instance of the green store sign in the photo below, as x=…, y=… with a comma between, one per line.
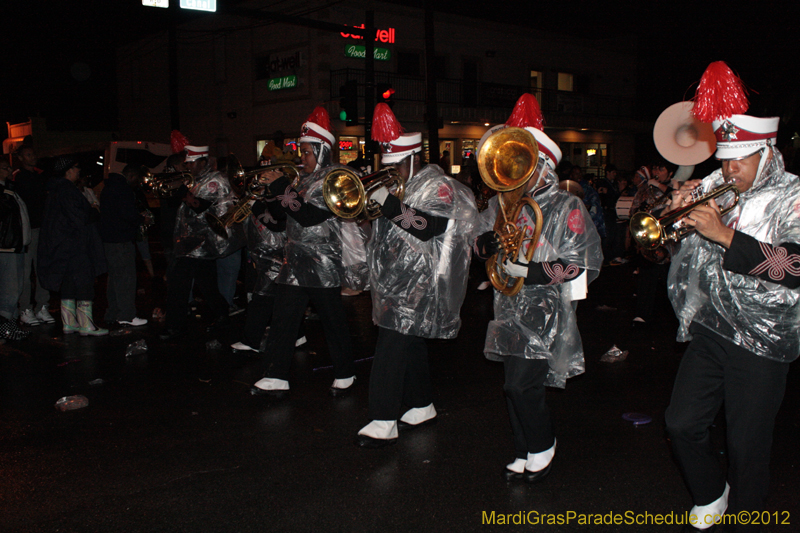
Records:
x=284, y=82
x=360, y=52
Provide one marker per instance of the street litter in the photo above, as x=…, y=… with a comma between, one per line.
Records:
x=119, y=332
x=614, y=355
x=96, y=382
x=70, y=403
x=136, y=348
x=638, y=419
x=213, y=345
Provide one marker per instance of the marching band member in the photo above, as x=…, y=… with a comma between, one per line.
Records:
x=322, y=252
x=734, y=286
x=197, y=246
x=535, y=332
x=419, y=257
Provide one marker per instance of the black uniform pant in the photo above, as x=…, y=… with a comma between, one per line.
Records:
x=651, y=281
x=287, y=316
x=400, y=375
x=186, y=271
x=527, y=409
x=259, y=315
x=714, y=370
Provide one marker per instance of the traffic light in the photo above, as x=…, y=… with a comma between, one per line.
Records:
x=385, y=94
x=348, y=103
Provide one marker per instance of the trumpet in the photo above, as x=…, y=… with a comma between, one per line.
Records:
x=507, y=161
x=290, y=171
x=651, y=232
x=163, y=184
x=348, y=195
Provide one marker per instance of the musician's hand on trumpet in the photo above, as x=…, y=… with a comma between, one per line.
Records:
x=707, y=221
x=269, y=176
x=682, y=196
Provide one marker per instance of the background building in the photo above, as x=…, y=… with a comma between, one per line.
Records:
x=241, y=81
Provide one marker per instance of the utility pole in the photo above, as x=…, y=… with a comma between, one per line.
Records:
x=369, y=84
x=431, y=109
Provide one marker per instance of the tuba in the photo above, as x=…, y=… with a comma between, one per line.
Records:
x=507, y=161
x=348, y=195
x=651, y=232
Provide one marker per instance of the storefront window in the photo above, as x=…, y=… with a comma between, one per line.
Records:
x=591, y=157
x=349, y=149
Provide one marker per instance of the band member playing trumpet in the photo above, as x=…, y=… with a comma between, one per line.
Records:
x=197, y=246
x=734, y=286
x=419, y=257
x=534, y=332
x=321, y=253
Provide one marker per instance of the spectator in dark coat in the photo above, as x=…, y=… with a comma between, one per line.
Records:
x=70, y=251
x=119, y=225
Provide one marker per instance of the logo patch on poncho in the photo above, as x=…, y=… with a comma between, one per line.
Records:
x=575, y=222
x=213, y=186
x=446, y=193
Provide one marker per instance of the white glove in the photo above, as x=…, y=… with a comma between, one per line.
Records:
x=380, y=195
x=515, y=270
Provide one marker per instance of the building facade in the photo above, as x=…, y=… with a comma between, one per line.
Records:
x=242, y=81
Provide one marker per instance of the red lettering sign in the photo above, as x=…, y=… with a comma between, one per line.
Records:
x=345, y=145
x=384, y=36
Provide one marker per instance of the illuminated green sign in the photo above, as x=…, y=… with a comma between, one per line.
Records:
x=360, y=52
x=284, y=82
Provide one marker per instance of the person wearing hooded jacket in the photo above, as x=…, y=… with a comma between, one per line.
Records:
x=321, y=254
x=735, y=286
x=534, y=332
x=419, y=255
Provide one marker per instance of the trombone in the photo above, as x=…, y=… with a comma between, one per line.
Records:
x=163, y=184
x=651, y=232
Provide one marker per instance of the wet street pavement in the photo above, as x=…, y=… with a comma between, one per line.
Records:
x=173, y=441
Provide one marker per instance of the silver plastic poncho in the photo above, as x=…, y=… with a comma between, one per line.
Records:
x=265, y=248
x=418, y=286
x=331, y=254
x=539, y=321
x=759, y=316
x=193, y=236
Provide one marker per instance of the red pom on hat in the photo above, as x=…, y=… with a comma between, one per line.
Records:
x=385, y=126
x=320, y=117
x=720, y=94
x=177, y=141
x=527, y=113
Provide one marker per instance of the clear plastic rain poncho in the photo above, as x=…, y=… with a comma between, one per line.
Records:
x=193, y=236
x=539, y=321
x=418, y=286
x=759, y=316
x=331, y=254
x=265, y=248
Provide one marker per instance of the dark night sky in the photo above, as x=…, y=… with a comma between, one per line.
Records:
x=59, y=56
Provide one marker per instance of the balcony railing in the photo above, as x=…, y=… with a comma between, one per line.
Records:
x=480, y=101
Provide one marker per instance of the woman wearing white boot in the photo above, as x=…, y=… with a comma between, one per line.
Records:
x=70, y=250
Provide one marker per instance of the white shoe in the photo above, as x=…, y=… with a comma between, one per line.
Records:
x=135, y=322
x=242, y=347
x=380, y=429
x=44, y=315
x=272, y=384
x=518, y=466
x=484, y=285
x=28, y=318
x=708, y=515
x=301, y=341
x=539, y=461
x=342, y=384
x=418, y=415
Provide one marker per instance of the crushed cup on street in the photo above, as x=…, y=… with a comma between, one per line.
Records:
x=70, y=403
x=136, y=348
x=158, y=314
x=213, y=345
x=614, y=355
